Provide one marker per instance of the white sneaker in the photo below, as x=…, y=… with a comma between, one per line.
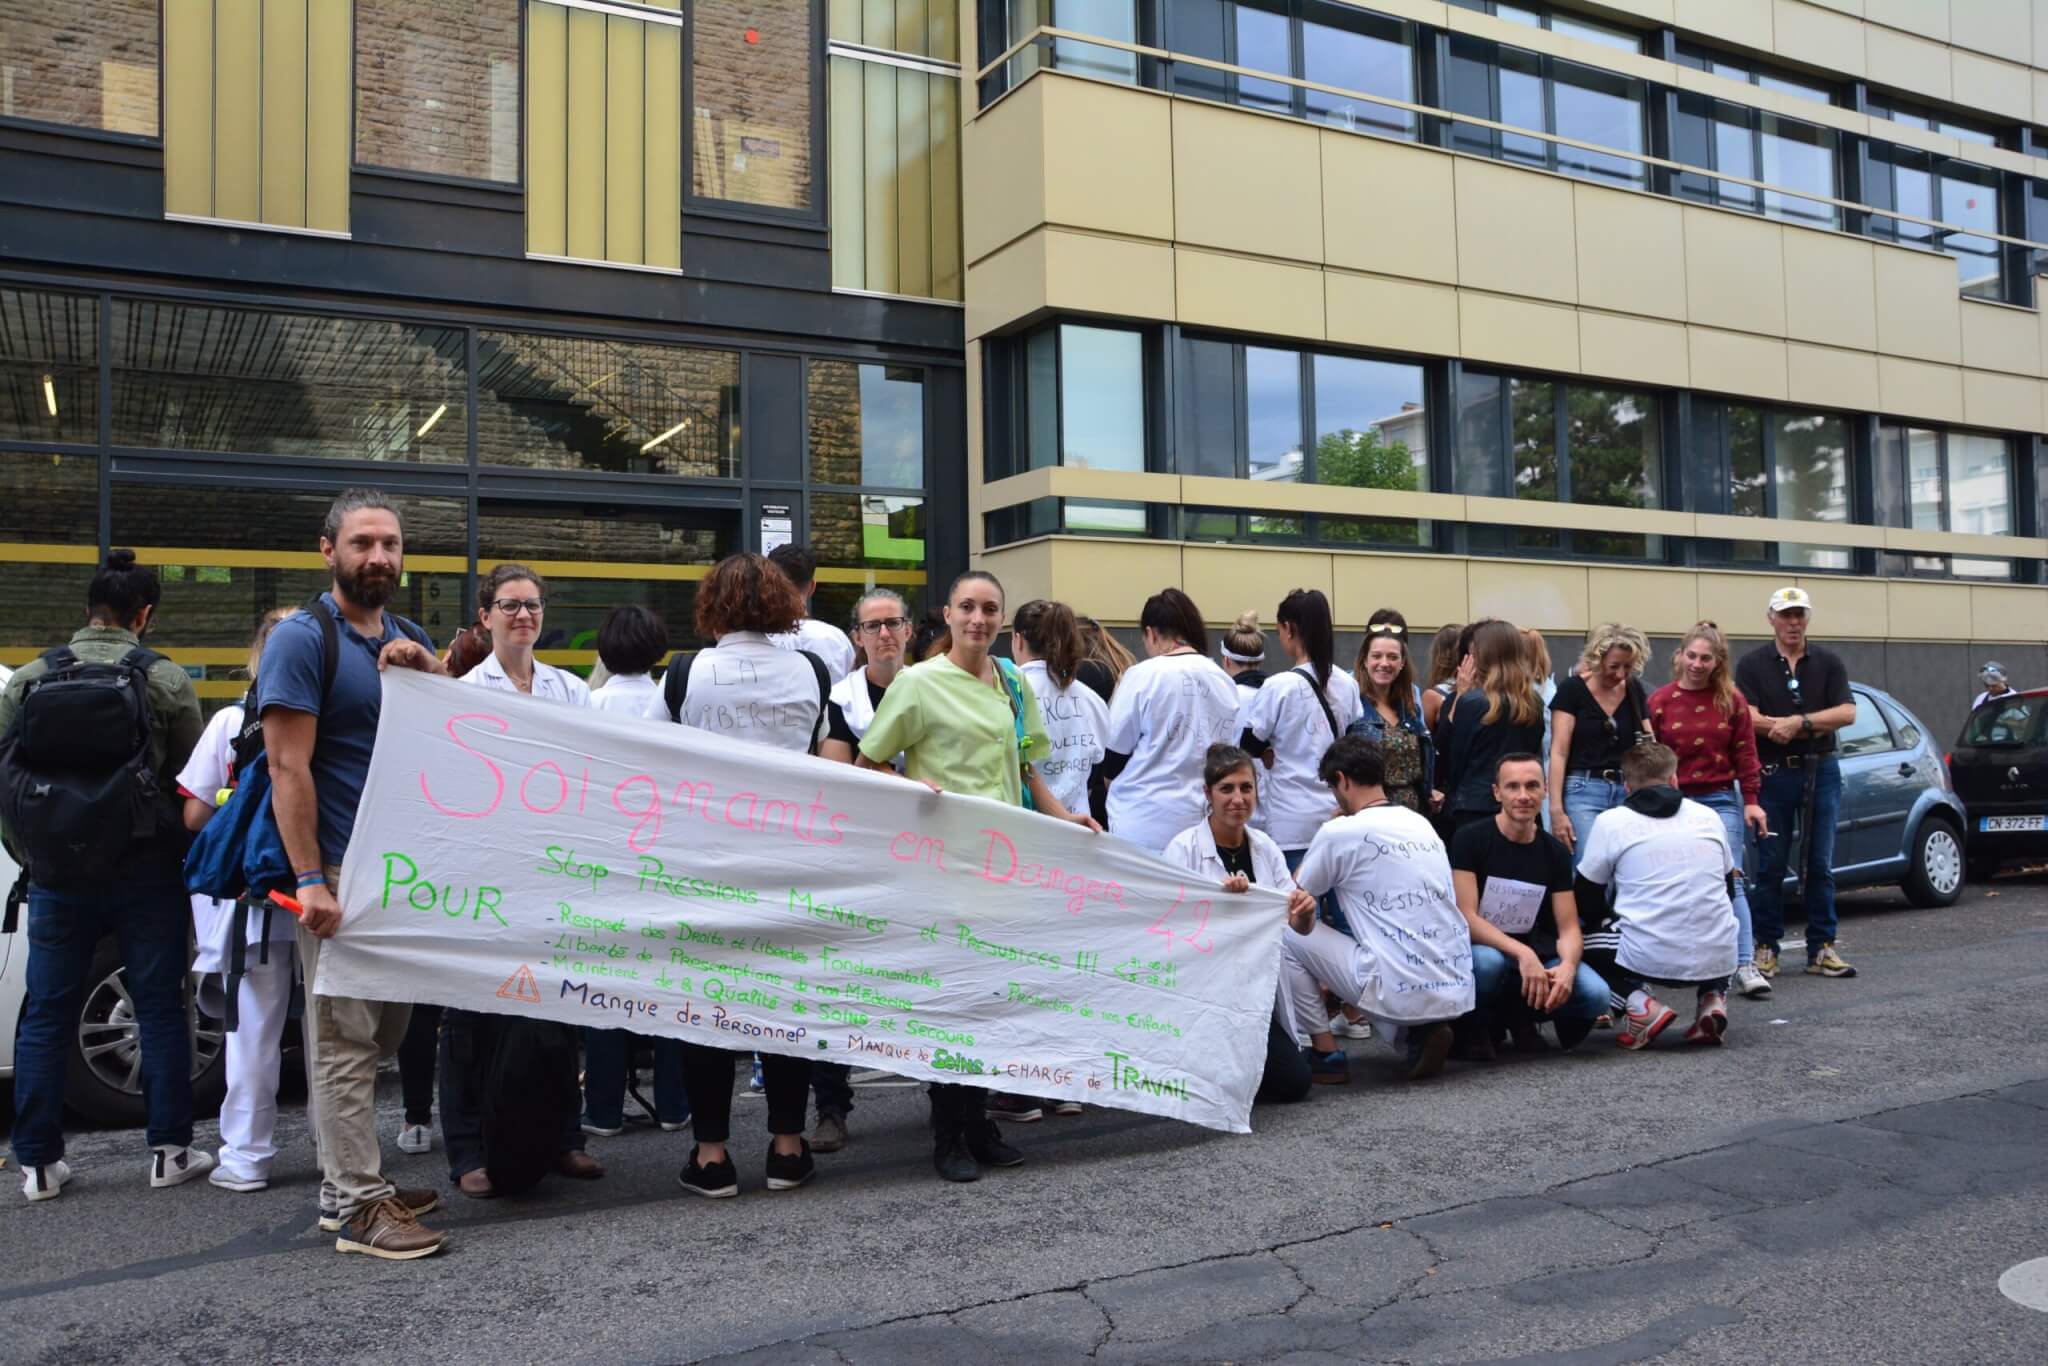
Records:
x=674, y=1126
x=415, y=1138
x=599, y=1130
x=170, y=1166
x=45, y=1182
x=1342, y=1026
x=1752, y=983
x=228, y=1181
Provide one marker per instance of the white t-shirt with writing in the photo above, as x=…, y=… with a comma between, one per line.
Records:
x=1165, y=714
x=1293, y=801
x=1392, y=878
x=626, y=694
x=749, y=689
x=1076, y=720
x=830, y=644
x=1670, y=880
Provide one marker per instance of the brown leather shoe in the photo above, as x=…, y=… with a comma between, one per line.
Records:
x=389, y=1230
x=476, y=1185
x=419, y=1199
x=578, y=1164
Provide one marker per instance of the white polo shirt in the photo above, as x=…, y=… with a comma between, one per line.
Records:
x=750, y=689
x=1165, y=714
x=822, y=639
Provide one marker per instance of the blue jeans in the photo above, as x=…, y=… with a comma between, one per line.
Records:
x=1494, y=975
x=1727, y=804
x=1783, y=793
x=606, y=1056
x=1328, y=911
x=1584, y=800
x=153, y=922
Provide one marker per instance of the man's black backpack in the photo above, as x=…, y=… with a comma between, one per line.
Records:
x=675, y=686
x=76, y=782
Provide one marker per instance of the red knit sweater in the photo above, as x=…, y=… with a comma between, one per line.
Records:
x=1713, y=750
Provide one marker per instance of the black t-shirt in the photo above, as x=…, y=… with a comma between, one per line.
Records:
x=1522, y=875
x=1822, y=682
x=1238, y=860
x=835, y=718
x=1596, y=745
x=1095, y=677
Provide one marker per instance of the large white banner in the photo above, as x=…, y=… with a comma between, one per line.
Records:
x=521, y=856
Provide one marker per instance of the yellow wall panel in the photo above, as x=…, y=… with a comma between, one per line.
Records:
x=1737, y=363
x=1246, y=183
x=1111, y=149
x=1740, y=603
x=1115, y=578
x=1550, y=597
x=188, y=107
x=1919, y=312
x=1925, y=611
x=1430, y=590
x=238, y=110
x=664, y=147
x=1928, y=18
x=1515, y=232
x=1215, y=290
x=1517, y=332
x=1631, y=252
x=1225, y=581
x=586, y=135
x=1007, y=287
x=284, y=79
x=1831, y=378
x=1911, y=388
x=2040, y=34
x=2008, y=613
x=2040, y=86
x=1908, y=63
x=2002, y=28
x=2008, y=402
x=1734, y=271
x=1828, y=39
x=1400, y=315
x=547, y=129
x=1002, y=168
x=1989, y=84
x=625, y=167
x=1660, y=601
x=1618, y=347
x=330, y=113
x=947, y=268
x=1025, y=570
x=1739, y=21
x=1830, y=289
x=1085, y=273
x=1852, y=609
x=1389, y=209
x=913, y=189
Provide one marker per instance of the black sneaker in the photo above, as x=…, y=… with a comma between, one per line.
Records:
x=985, y=1141
x=1428, y=1046
x=1571, y=1030
x=951, y=1157
x=716, y=1182
x=787, y=1171
x=1016, y=1109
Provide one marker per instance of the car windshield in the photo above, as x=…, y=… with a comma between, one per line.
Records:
x=2017, y=722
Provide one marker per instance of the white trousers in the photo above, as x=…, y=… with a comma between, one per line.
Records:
x=1326, y=957
x=248, y=1114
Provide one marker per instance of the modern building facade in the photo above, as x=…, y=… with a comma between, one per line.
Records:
x=1562, y=313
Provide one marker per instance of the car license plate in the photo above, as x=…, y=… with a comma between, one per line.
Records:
x=1990, y=824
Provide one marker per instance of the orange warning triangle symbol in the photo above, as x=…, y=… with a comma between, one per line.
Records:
x=520, y=986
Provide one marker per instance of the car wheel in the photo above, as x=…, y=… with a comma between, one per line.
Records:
x=1936, y=875
x=103, y=1083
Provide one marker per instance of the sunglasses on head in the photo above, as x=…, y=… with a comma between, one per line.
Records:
x=1388, y=628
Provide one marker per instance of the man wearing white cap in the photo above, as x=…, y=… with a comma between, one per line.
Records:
x=1798, y=698
x=1992, y=676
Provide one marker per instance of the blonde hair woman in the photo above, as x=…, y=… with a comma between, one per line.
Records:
x=1701, y=716
x=1499, y=715
x=1598, y=715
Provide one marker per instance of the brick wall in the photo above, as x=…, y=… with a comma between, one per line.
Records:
x=437, y=86
x=751, y=128
x=92, y=65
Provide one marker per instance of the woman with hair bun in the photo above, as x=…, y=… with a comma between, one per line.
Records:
x=1243, y=656
x=1167, y=711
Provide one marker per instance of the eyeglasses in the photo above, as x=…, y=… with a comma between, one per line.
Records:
x=1388, y=628
x=875, y=628
x=512, y=607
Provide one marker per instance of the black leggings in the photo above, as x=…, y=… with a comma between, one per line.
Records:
x=707, y=1077
x=416, y=1063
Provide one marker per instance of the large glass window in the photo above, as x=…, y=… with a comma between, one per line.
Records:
x=1102, y=398
x=89, y=66
x=1756, y=146
x=862, y=541
x=1754, y=462
x=1754, y=73
x=1557, y=21
x=584, y=403
x=1070, y=395
x=200, y=378
x=49, y=366
x=437, y=87
x=1935, y=480
x=1508, y=85
x=750, y=88
x=1338, y=44
x=895, y=157
x=1272, y=385
x=49, y=543
x=1114, y=19
x=866, y=424
x=1555, y=442
x=1916, y=116
x=1947, y=191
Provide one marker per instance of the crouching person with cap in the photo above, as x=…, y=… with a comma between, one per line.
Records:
x=1664, y=864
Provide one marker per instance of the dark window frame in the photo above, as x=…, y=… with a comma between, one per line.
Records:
x=817, y=218
x=1709, y=459
x=1904, y=564
x=1489, y=142
x=1687, y=105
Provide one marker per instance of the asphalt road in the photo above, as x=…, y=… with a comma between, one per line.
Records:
x=1845, y=1181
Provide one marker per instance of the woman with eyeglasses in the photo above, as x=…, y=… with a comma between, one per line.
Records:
x=1598, y=715
x=1392, y=711
x=882, y=630
x=1498, y=714
x=1707, y=724
x=510, y=603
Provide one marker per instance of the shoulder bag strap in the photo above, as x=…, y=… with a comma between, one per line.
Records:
x=1317, y=693
x=824, y=676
